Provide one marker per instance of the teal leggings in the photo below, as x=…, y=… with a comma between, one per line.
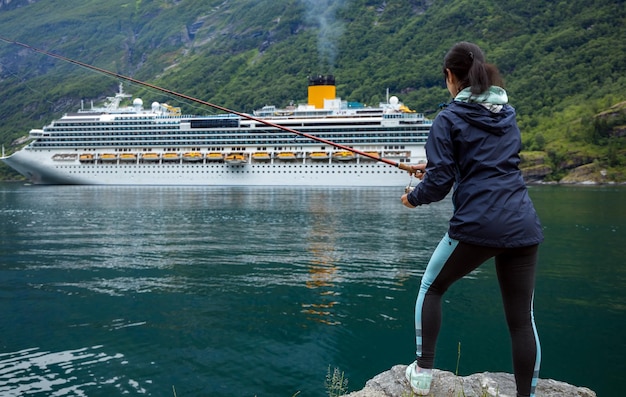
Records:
x=515, y=268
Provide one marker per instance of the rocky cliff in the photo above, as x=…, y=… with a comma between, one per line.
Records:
x=392, y=383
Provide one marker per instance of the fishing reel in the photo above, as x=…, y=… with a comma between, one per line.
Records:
x=408, y=189
x=419, y=173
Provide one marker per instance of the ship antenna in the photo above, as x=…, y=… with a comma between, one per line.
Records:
x=402, y=166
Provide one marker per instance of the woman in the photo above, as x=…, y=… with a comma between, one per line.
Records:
x=473, y=148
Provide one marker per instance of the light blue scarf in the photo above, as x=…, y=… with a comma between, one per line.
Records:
x=493, y=99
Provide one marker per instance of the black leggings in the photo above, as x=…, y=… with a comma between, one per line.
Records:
x=515, y=267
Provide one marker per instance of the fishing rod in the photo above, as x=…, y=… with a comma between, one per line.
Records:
x=402, y=166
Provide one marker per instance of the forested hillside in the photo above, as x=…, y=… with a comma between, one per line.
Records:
x=564, y=63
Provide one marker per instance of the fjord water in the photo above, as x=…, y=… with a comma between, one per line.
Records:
x=221, y=291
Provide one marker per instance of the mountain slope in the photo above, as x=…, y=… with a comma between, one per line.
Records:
x=563, y=63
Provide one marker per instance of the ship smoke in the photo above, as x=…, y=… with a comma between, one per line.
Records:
x=321, y=13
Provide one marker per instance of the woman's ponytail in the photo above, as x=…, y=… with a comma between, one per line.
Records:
x=467, y=62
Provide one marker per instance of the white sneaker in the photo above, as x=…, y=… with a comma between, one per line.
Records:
x=419, y=379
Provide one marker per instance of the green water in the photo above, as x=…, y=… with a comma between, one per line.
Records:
x=258, y=291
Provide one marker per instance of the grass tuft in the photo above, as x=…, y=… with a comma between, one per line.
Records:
x=336, y=383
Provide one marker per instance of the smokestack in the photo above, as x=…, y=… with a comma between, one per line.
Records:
x=321, y=88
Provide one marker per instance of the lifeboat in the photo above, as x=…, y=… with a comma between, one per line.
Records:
x=108, y=157
x=288, y=156
x=343, y=155
x=150, y=157
x=192, y=156
x=235, y=158
x=371, y=156
x=171, y=156
x=214, y=156
x=318, y=156
x=261, y=156
x=128, y=157
x=86, y=158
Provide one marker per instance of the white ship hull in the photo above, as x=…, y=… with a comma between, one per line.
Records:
x=39, y=168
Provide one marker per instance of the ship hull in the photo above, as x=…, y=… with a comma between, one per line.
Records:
x=40, y=169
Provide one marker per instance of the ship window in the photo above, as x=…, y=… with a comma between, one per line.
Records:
x=215, y=123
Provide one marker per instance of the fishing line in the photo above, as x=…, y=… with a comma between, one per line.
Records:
x=402, y=166
x=22, y=80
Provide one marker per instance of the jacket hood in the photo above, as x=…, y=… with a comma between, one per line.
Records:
x=488, y=111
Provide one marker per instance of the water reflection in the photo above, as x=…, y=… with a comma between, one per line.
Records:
x=62, y=373
x=323, y=270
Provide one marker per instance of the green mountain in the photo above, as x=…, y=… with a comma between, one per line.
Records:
x=564, y=62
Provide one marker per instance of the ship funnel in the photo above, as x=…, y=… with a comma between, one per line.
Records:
x=321, y=88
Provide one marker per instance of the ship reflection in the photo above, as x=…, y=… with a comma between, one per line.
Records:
x=322, y=275
x=323, y=271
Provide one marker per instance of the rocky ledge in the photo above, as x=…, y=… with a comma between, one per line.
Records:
x=392, y=383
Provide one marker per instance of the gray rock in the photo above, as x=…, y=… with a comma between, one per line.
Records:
x=392, y=383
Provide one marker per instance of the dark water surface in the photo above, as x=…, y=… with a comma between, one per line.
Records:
x=110, y=291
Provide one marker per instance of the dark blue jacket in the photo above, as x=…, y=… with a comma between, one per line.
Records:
x=476, y=151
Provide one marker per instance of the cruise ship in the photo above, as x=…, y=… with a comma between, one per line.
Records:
x=130, y=145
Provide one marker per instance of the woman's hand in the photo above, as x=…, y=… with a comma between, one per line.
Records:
x=405, y=201
x=418, y=170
